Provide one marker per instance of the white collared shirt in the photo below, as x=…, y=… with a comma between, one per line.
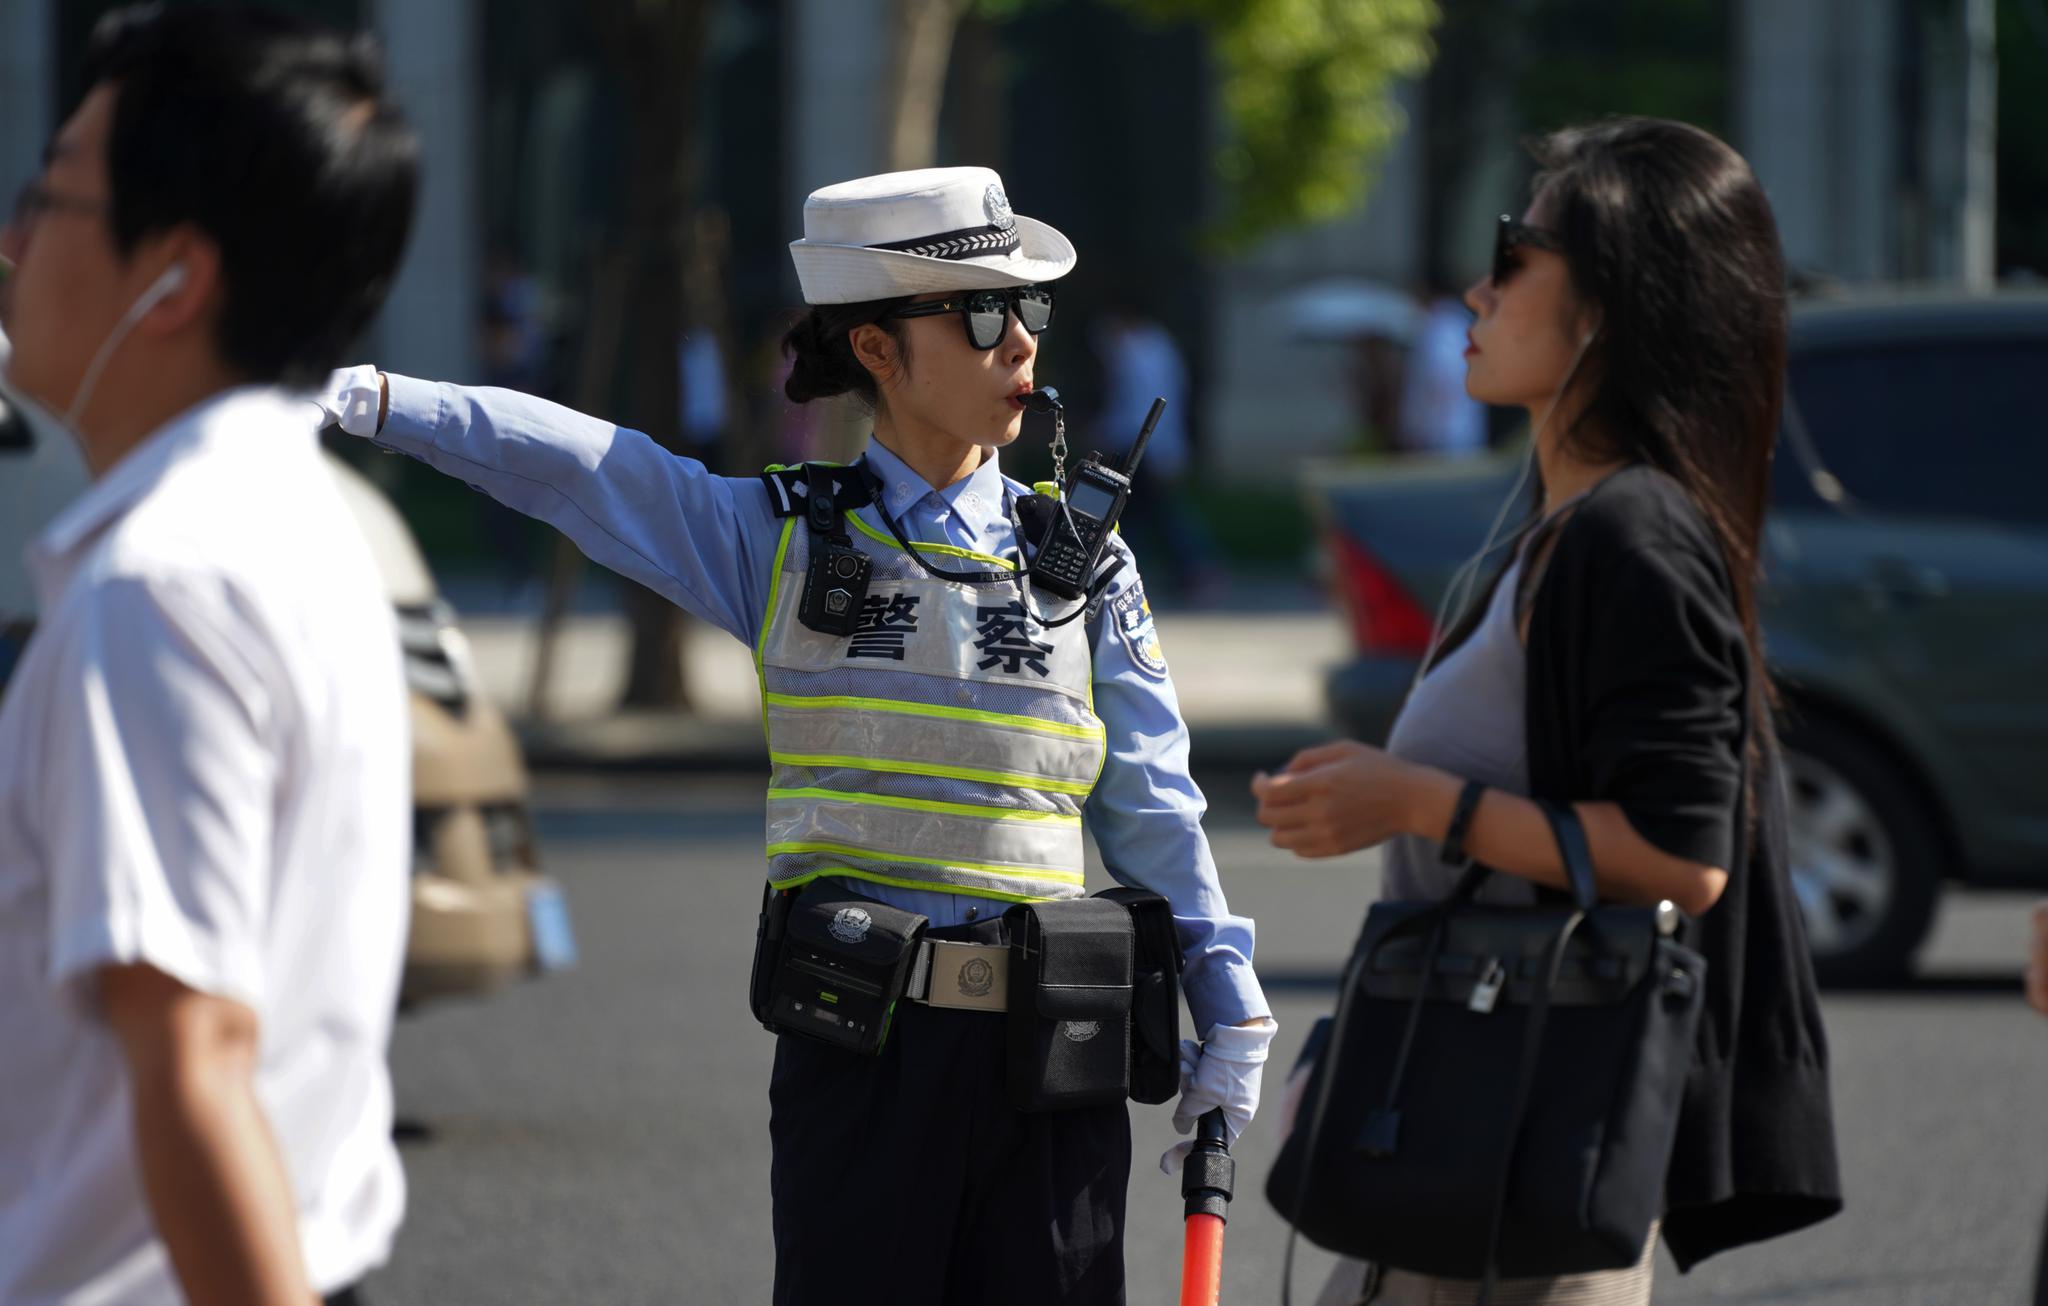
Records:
x=204, y=768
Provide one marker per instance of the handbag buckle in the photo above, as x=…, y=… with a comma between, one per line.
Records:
x=1486, y=992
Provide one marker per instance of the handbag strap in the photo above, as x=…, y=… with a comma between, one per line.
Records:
x=1571, y=843
x=1570, y=834
x=1319, y=1114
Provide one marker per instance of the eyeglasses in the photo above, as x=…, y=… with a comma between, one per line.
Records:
x=1509, y=238
x=34, y=200
x=987, y=312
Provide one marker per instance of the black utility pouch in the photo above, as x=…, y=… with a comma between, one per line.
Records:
x=769, y=930
x=837, y=970
x=1155, y=995
x=1070, y=1003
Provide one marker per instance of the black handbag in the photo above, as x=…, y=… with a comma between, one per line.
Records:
x=1499, y=1095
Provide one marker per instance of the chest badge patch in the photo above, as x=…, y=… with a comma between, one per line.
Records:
x=1132, y=613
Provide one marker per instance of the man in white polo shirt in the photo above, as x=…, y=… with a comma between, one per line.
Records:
x=203, y=756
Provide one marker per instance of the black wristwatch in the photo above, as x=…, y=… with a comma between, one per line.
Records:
x=1453, y=852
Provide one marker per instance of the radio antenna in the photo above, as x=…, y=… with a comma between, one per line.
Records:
x=1144, y=434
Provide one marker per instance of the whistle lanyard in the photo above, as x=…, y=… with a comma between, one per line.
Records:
x=1019, y=577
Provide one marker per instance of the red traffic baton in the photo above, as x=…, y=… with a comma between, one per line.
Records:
x=1206, y=1180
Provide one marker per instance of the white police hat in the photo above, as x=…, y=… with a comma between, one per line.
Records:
x=909, y=233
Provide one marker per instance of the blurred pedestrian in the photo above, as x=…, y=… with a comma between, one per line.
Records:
x=1637, y=311
x=514, y=351
x=937, y=731
x=1140, y=363
x=203, y=754
x=702, y=416
x=1438, y=417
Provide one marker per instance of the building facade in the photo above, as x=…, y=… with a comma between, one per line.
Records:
x=1868, y=120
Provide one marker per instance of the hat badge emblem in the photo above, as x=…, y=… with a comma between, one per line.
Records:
x=997, y=205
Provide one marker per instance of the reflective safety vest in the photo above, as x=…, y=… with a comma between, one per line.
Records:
x=948, y=743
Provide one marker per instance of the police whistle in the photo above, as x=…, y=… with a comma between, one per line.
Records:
x=1046, y=400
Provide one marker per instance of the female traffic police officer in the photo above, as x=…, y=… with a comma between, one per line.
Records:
x=938, y=756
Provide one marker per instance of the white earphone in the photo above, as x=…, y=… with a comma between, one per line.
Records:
x=1460, y=588
x=168, y=283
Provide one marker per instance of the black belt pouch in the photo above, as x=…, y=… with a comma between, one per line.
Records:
x=1155, y=995
x=1070, y=1003
x=831, y=965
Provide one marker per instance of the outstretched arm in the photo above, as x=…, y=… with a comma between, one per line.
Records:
x=704, y=542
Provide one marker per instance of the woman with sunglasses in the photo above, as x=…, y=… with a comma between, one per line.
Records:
x=1637, y=312
x=939, y=757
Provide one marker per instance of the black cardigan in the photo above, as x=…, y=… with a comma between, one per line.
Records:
x=1638, y=677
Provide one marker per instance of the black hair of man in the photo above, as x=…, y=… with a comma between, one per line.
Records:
x=273, y=137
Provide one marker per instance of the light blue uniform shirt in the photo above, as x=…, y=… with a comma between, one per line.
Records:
x=708, y=544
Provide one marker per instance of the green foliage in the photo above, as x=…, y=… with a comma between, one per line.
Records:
x=1307, y=88
x=2023, y=136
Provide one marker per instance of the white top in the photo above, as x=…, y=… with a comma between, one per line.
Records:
x=204, y=767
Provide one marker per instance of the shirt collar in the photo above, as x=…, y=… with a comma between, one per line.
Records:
x=257, y=410
x=978, y=495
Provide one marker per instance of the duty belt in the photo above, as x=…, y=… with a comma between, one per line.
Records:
x=962, y=976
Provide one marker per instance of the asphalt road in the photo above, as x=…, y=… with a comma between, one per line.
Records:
x=601, y=1136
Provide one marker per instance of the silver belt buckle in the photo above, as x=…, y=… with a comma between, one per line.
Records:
x=969, y=976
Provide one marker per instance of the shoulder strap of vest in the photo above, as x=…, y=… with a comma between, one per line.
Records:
x=790, y=489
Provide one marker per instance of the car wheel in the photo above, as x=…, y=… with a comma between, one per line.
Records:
x=1866, y=854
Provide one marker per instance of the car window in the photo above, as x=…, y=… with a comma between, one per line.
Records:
x=1951, y=429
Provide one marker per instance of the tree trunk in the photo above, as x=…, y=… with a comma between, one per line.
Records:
x=920, y=46
x=659, y=45
x=979, y=122
x=596, y=365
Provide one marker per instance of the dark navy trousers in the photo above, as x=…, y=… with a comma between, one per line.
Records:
x=908, y=1179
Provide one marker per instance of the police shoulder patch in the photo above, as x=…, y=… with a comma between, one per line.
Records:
x=1132, y=613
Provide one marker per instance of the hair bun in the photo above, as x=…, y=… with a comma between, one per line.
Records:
x=811, y=374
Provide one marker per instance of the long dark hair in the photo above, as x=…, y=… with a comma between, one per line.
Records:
x=1671, y=246
x=1670, y=240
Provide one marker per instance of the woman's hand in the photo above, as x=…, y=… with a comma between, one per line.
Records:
x=1338, y=798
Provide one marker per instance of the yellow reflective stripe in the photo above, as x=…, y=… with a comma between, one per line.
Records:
x=768, y=620
x=949, y=550
x=979, y=868
x=927, y=805
x=849, y=873
x=774, y=593
x=1094, y=733
x=1020, y=781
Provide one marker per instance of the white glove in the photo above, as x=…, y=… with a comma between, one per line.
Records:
x=1223, y=1071
x=352, y=398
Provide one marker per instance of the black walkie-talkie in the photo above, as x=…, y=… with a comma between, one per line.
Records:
x=1071, y=549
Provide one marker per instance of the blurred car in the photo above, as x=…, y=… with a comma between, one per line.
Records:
x=1905, y=600
x=482, y=913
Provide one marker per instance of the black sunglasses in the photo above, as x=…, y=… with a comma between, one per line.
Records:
x=987, y=312
x=1512, y=235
